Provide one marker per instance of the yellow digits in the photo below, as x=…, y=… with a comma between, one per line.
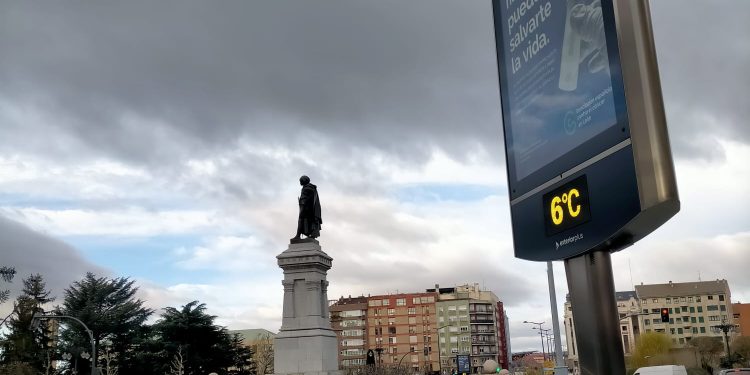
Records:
x=556, y=209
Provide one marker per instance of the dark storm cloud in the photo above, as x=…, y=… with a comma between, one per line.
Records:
x=399, y=76
x=703, y=58
x=32, y=252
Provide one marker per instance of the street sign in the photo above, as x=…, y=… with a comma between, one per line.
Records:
x=587, y=151
x=463, y=364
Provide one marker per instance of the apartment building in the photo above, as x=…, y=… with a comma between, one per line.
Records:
x=471, y=321
x=401, y=328
x=404, y=328
x=349, y=321
x=694, y=307
x=741, y=314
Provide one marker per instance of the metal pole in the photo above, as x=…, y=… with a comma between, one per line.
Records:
x=560, y=368
x=37, y=316
x=592, y=293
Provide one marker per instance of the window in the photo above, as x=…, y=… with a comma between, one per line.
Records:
x=700, y=309
x=671, y=330
x=412, y=311
x=723, y=307
x=654, y=311
x=391, y=321
x=671, y=320
x=721, y=297
x=374, y=302
x=679, y=331
x=682, y=340
x=415, y=300
x=647, y=321
x=713, y=318
x=703, y=329
x=695, y=329
x=655, y=300
x=700, y=319
x=692, y=319
x=464, y=329
x=692, y=309
x=679, y=320
x=669, y=300
x=400, y=301
x=428, y=299
x=682, y=299
x=644, y=301
x=684, y=309
x=454, y=339
x=392, y=340
x=464, y=338
x=391, y=311
x=712, y=308
x=392, y=330
x=710, y=298
x=645, y=311
x=412, y=339
x=690, y=299
x=697, y=298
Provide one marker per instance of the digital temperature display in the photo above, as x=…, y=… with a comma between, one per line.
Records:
x=567, y=206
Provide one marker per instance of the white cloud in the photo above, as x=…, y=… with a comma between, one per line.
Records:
x=134, y=221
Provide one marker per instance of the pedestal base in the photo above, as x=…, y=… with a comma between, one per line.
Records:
x=306, y=352
x=306, y=344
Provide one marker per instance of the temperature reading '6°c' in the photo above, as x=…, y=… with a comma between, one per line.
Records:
x=566, y=206
x=558, y=202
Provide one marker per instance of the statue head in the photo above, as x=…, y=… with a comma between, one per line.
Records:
x=304, y=180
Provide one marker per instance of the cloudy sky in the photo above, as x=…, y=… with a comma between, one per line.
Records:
x=163, y=141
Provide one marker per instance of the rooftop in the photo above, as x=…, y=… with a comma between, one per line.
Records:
x=682, y=289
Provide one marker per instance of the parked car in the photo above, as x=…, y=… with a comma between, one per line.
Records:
x=735, y=371
x=661, y=370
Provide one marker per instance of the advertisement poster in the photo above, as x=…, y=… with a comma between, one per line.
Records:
x=463, y=363
x=557, y=81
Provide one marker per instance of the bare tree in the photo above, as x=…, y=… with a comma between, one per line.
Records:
x=263, y=355
x=178, y=363
x=109, y=367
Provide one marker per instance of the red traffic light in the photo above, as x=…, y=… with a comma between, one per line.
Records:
x=665, y=315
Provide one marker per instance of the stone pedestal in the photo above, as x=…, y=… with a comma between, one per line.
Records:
x=306, y=344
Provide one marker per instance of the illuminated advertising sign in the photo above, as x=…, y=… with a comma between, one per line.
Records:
x=582, y=152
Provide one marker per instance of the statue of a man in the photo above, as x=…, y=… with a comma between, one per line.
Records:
x=310, y=218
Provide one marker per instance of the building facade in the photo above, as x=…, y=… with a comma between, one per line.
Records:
x=471, y=321
x=349, y=321
x=741, y=314
x=401, y=329
x=694, y=307
x=424, y=331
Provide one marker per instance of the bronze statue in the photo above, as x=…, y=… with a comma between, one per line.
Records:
x=310, y=218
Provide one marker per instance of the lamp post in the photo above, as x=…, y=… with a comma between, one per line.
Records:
x=440, y=360
x=726, y=328
x=541, y=337
x=37, y=317
x=404, y=356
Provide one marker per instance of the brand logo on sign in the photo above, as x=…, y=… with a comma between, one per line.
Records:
x=568, y=241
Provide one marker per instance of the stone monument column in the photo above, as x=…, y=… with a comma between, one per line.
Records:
x=306, y=344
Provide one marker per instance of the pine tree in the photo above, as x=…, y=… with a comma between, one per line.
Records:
x=110, y=310
x=22, y=344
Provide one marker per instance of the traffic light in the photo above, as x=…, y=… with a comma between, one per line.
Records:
x=664, y=315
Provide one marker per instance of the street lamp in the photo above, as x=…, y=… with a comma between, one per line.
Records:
x=440, y=359
x=404, y=356
x=544, y=355
x=726, y=328
x=37, y=318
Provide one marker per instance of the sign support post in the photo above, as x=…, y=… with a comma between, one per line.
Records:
x=560, y=368
x=592, y=287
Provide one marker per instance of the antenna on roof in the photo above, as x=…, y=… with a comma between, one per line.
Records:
x=699, y=275
x=631, y=274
